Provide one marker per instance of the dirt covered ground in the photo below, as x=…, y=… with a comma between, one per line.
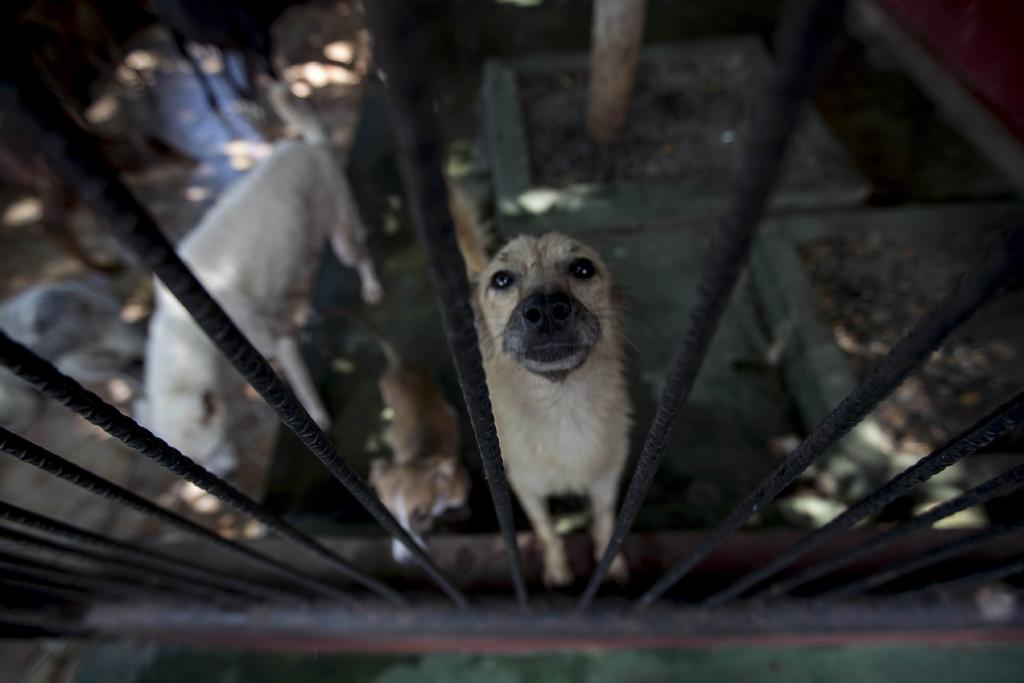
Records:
x=689, y=117
x=873, y=288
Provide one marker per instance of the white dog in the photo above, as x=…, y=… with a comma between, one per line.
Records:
x=256, y=251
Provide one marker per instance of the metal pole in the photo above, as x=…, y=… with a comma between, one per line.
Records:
x=76, y=155
x=44, y=376
x=985, y=431
x=401, y=55
x=909, y=353
x=992, y=488
x=729, y=250
x=39, y=457
x=140, y=555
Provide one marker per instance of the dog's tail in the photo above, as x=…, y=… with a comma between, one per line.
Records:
x=386, y=347
x=296, y=113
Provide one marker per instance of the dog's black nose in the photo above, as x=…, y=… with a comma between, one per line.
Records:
x=547, y=312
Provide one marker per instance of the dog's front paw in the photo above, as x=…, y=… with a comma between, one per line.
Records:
x=619, y=571
x=556, y=572
x=372, y=292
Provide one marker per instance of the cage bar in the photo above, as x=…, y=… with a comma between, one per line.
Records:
x=76, y=155
x=933, y=556
x=810, y=36
x=41, y=374
x=909, y=353
x=984, y=432
x=131, y=571
x=175, y=566
x=39, y=457
x=401, y=55
x=996, y=486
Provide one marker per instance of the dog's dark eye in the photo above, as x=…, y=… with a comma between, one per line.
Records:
x=502, y=279
x=582, y=269
x=420, y=513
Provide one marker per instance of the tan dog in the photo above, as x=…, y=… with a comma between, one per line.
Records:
x=549, y=329
x=425, y=478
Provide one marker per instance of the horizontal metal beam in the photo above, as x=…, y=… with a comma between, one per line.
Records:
x=552, y=625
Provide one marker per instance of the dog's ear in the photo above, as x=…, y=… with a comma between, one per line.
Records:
x=477, y=237
x=467, y=229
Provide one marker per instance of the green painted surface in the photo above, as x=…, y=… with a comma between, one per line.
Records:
x=826, y=664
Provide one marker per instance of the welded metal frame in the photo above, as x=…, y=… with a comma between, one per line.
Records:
x=285, y=609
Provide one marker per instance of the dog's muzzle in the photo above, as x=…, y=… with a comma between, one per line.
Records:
x=551, y=334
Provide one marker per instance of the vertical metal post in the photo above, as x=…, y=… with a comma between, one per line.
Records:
x=401, y=56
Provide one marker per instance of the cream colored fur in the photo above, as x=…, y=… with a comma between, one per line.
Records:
x=557, y=436
x=256, y=251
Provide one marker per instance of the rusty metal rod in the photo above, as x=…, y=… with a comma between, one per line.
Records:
x=982, y=433
x=42, y=374
x=926, y=559
x=153, y=577
x=908, y=354
x=727, y=255
x=1004, y=569
x=401, y=55
x=49, y=575
x=77, y=157
x=176, y=566
x=994, y=487
x=39, y=457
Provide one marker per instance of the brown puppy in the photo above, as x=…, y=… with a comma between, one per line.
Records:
x=549, y=329
x=425, y=477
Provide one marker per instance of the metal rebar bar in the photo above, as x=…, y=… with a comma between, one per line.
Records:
x=982, y=433
x=55, y=576
x=48, y=379
x=401, y=55
x=986, y=491
x=909, y=353
x=926, y=559
x=39, y=457
x=143, y=556
x=729, y=251
x=77, y=157
x=120, y=566
x=1004, y=569
x=70, y=594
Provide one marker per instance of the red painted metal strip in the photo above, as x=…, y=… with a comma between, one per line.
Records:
x=979, y=41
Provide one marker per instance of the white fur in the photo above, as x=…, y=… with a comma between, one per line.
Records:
x=256, y=251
